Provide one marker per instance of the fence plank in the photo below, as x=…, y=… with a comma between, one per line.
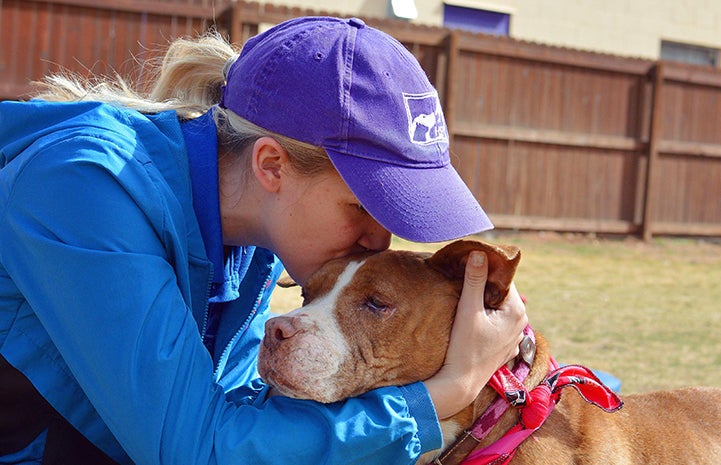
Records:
x=181, y=8
x=582, y=139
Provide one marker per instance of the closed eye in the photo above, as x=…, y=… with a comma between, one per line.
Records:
x=378, y=308
x=374, y=305
x=360, y=208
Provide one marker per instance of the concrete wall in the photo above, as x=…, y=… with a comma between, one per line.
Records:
x=622, y=27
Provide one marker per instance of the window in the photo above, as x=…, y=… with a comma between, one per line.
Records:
x=687, y=53
x=404, y=9
x=476, y=19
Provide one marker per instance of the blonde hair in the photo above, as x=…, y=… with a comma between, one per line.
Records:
x=187, y=79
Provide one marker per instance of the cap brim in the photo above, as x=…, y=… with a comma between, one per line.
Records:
x=417, y=204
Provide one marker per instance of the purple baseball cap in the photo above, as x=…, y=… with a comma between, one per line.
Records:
x=358, y=93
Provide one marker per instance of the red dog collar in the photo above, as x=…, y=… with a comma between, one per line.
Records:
x=537, y=405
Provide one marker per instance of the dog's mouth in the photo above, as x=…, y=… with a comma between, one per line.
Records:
x=319, y=391
x=276, y=380
x=301, y=370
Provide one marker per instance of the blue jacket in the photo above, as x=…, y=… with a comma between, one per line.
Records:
x=105, y=284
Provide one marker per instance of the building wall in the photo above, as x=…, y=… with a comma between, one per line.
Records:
x=620, y=27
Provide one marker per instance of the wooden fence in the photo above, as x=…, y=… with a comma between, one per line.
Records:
x=547, y=138
x=90, y=36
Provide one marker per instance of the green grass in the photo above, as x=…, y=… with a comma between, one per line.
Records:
x=647, y=313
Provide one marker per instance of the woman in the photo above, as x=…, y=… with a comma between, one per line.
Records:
x=140, y=241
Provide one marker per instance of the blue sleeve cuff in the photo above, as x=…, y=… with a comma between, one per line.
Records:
x=420, y=407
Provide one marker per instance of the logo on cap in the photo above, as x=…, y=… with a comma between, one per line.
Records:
x=426, y=124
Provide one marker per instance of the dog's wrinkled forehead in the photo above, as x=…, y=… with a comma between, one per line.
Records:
x=323, y=280
x=368, y=268
x=407, y=268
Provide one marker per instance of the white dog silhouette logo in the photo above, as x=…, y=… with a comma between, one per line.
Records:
x=426, y=124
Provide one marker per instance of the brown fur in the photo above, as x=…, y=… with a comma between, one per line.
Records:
x=407, y=340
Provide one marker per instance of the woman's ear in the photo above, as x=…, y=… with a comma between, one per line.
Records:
x=269, y=160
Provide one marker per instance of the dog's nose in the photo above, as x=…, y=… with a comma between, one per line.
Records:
x=279, y=329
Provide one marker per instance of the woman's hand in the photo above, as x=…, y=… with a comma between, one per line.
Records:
x=482, y=340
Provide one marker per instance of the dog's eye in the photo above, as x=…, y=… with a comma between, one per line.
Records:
x=374, y=305
x=377, y=307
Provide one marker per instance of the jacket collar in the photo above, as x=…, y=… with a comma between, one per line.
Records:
x=229, y=263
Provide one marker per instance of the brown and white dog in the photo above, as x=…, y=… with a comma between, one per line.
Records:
x=384, y=319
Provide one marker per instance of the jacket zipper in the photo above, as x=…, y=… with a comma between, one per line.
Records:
x=242, y=328
x=206, y=305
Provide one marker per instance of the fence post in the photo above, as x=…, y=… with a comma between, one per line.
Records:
x=246, y=17
x=652, y=154
x=236, y=24
x=450, y=90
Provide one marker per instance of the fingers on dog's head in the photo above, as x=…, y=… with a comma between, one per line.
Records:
x=502, y=264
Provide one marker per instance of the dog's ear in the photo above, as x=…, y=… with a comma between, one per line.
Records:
x=502, y=264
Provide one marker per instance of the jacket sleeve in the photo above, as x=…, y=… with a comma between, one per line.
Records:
x=96, y=271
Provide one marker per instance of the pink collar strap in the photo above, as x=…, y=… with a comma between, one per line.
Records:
x=538, y=406
x=483, y=425
x=535, y=406
x=509, y=384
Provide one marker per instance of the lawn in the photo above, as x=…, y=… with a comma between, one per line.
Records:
x=647, y=313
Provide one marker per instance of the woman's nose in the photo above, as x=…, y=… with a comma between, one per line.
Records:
x=375, y=237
